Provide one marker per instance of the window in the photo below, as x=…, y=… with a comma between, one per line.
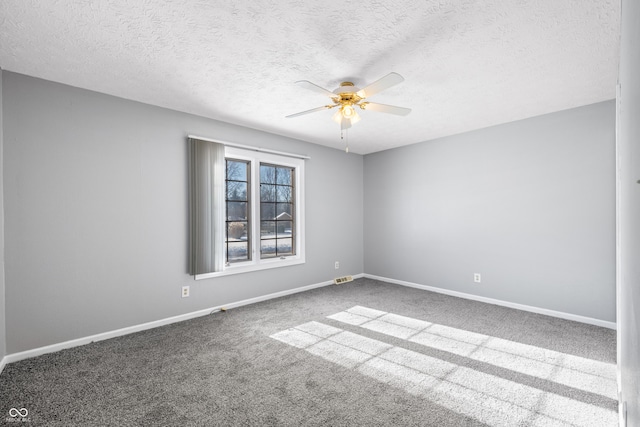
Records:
x=256, y=220
x=277, y=209
x=237, y=207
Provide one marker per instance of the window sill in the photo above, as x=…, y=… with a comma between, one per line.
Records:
x=247, y=268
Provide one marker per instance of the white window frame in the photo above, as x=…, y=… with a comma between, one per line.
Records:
x=256, y=263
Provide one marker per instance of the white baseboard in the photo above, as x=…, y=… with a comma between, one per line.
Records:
x=3, y=363
x=10, y=358
x=552, y=313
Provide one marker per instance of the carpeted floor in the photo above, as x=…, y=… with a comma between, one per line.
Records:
x=366, y=353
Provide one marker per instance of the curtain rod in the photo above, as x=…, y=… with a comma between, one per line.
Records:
x=249, y=147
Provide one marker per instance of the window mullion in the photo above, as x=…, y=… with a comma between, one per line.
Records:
x=255, y=211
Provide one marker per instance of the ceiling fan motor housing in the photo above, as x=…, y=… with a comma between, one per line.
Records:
x=348, y=94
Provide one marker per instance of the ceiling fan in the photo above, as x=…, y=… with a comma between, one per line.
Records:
x=348, y=96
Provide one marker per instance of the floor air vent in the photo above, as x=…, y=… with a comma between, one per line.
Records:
x=341, y=280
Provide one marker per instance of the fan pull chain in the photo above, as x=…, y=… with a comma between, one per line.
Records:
x=346, y=150
x=342, y=132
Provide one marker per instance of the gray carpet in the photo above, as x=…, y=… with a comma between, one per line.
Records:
x=366, y=353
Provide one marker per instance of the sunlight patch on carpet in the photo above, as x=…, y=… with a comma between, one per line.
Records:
x=578, y=372
x=487, y=398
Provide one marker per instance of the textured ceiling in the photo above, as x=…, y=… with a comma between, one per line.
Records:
x=467, y=64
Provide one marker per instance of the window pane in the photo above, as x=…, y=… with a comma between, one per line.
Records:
x=236, y=190
x=284, y=176
x=285, y=228
x=237, y=170
x=237, y=239
x=267, y=211
x=277, y=189
x=267, y=174
x=267, y=193
x=284, y=211
x=284, y=194
x=284, y=247
x=237, y=230
x=236, y=211
x=237, y=251
x=268, y=248
x=268, y=229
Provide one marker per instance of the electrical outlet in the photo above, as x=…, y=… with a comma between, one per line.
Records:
x=337, y=265
x=185, y=291
x=477, y=278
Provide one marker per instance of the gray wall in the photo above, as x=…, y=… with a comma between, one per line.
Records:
x=96, y=214
x=3, y=348
x=530, y=205
x=629, y=212
x=95, y=192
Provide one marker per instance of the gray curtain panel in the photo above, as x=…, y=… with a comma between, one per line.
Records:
x=206, y=170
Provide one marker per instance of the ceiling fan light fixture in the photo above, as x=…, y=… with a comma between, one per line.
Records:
x=348, y=111
x=337, y=116
x=351, y=114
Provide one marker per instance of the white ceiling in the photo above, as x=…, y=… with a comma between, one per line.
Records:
x=467, y=64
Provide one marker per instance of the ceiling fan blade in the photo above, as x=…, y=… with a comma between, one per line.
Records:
x=314, y=87
x=384, y=108
x=381, y=84
x=313, y=110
